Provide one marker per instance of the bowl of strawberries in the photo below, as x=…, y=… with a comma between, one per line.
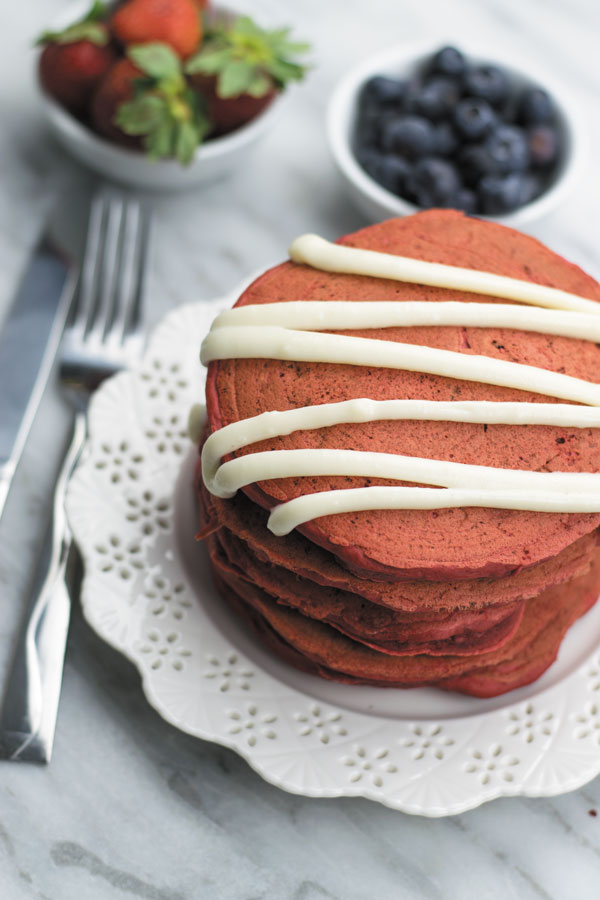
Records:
x=163, y=94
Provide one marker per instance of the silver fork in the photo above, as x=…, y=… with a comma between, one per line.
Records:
x=103, y=335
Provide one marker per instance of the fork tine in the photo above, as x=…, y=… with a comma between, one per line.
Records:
x=144, y=246
x=110, y=262
x=132, y=222
x=84, y=304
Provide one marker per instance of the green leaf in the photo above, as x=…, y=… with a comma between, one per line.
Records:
x=235, y=78
x=97, y=12
x=159, y=143
x=241, y=50
x=284, y=71
x=278, y=36
x=259, y=86
x=142, y=115
x=291, y=48
x=209, y=62
x=186, y=141
x=197, y=105
x=94, y=32
x=89, y=28
x=245, y=26
x=142, y=85
x=156, y=59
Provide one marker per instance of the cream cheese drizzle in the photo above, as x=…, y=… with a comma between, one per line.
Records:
x=276, y=342
x=270, y=331
x=314, y=315
x=315, y=251
x=287, y=516
x=276, y=424
x=269, y=464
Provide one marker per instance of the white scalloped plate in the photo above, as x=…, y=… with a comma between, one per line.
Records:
x=147, y=592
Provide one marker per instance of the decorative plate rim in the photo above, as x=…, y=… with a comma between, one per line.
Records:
x=140, y=594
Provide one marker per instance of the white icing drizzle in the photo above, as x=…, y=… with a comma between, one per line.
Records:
x=275, y=342
x=315, y=251
x=269, y=331
x=287, y=516
x=270, y=464
x=268, y=425
x=343, y=315
x=307, y=418
x=196, y=422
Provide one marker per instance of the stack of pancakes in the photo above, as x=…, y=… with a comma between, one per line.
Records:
x=475, y=599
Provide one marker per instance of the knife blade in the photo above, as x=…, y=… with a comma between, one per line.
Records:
x=29, y=341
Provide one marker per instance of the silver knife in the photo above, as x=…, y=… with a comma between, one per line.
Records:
x=29, y=342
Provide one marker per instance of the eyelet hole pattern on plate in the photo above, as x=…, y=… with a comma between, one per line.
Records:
x=427, y=741
x=229, y=673
x=115, y=556
x=120, y=462
x=320, y=723
x=371, y=766
x=150, y=512
x=160, y=650
x=163, y=381
x=530, y=723
x=168, y=434
x=589, y=723
x=490, y=764
x=251, y=724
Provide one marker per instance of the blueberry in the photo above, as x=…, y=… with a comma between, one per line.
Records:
x=535, y=107
x=448, y=61
x=502, y=193
x=475, y=162
x=383, y=91
x=412, y=136
x=387, y=170
x=433, y=182
x=544, y=146
x=487, y=82
x=436, y=98
x=445, y=139
x=507, y=147
x=411, y=94
x=367, y=127
x=474, y=118
x=465, y=200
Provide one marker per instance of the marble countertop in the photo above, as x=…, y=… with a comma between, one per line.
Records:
x=130, y=807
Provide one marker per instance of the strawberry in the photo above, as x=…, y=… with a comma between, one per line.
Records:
x=117, y=87
x=240, y=68
x=228, y=113
x=173, y=22
x=74, y=60
x=145, y=101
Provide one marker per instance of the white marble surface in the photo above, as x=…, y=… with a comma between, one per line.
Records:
x=129, y=807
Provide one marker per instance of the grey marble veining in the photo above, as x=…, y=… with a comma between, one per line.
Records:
x=130, y=807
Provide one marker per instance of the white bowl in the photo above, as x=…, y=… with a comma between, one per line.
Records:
x=212, y=160
x=402, y=61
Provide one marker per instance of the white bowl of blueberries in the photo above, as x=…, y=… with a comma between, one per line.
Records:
x=412, y=128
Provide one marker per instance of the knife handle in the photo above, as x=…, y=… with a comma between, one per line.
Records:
x=31, y=699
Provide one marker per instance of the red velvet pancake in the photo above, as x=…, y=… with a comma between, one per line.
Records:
x=371, y=625
x=319, y=649
x=444, y=545
x=295, y=553
x=472, y=600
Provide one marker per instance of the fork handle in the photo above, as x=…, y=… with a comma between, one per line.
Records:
x=31, y=699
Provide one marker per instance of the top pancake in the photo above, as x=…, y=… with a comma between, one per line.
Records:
x=434, y=545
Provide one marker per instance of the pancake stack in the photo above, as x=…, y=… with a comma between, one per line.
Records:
x=475, y=600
